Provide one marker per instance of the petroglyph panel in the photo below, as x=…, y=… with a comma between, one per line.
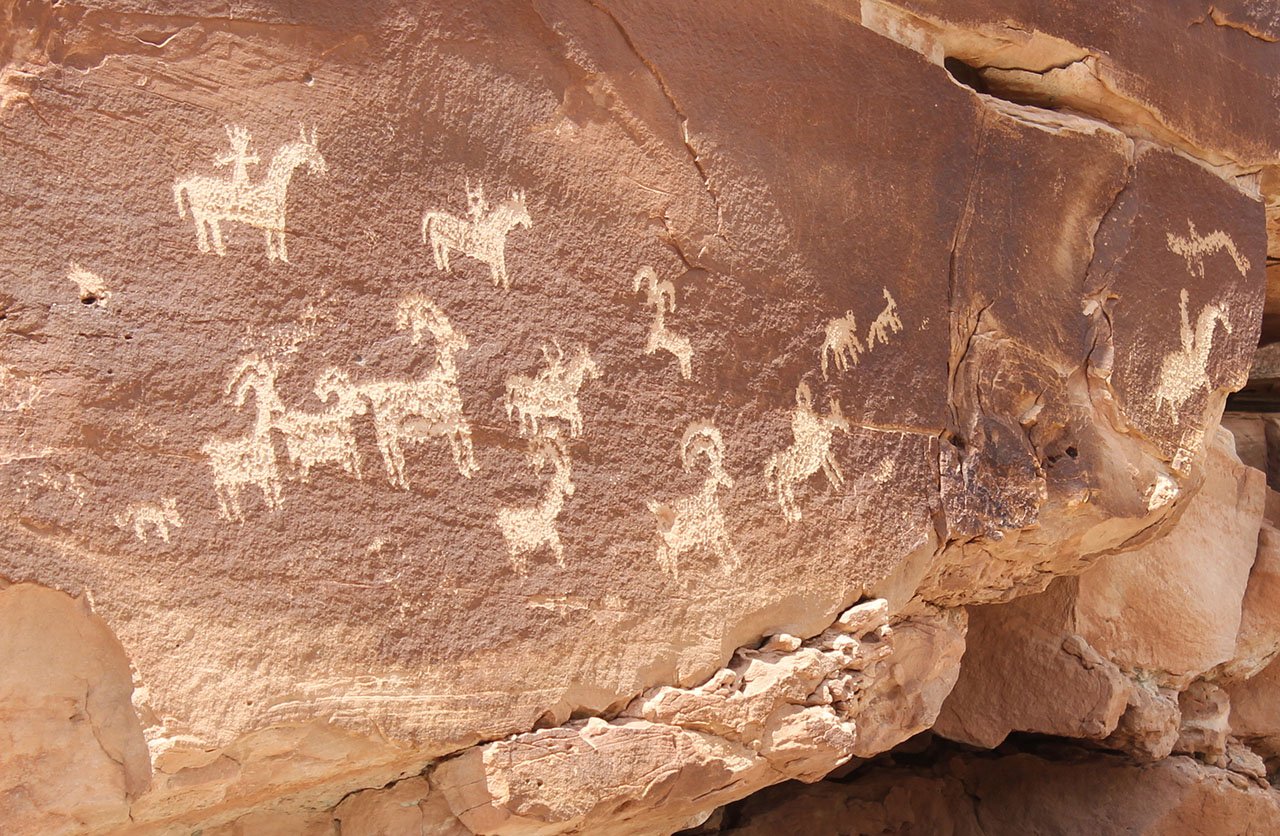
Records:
x=240, y=199
x=841, y=345
x=553, y=392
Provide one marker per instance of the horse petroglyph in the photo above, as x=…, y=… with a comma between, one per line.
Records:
x=430, y=407
x=696, y=520
x=810, y=451
x=841, y=345
x=482, y=235
x=553, y=393
x=1194, y=247
x=251, y=459
x=260, y=205
x=661, y=296
x=527, y=528
x=158, y=517
x=1185, y=370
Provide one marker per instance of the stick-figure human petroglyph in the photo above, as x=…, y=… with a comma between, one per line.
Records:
x=553, y=393
x=423, y=409
x=260, y=205
x=527, y=528
x=696, y=520
x=1194, y=247
x=251, y=459
x=92, y=287
x=1185, y=370
x=661, y=296
x=810, y=451
x=885, y=323
x=842, y=343
x=481, y=236
x=159, y=517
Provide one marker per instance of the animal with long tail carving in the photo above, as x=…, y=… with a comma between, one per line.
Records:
x=1185, y=371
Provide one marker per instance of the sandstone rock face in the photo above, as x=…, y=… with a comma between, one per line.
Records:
x=1018, y=794
x=475, y=418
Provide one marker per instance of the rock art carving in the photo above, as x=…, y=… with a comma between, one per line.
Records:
x=251, y=459
x=527, y=528
x=1184, y=371
x=810, y=451
x=482, y=235
x=661, y=296
x=696, y=520
x=157, y=517
x=427, y=408
x=1194, y=247
x=327, y=436
x=885, y=323
x=92, y=287
x=842, y=343
x=260, y=205
x=553, y=393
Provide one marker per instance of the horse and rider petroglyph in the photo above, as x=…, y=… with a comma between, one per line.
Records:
x=553, y=392
x=260, y=205
x=696, y=520
x=886, y=323
x=1185, y=371
x=481, y=235
x=527, y=528
x=661, y=296
x=809, y=452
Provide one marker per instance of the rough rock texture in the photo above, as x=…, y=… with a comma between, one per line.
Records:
x=967, y=795
x=477, y=416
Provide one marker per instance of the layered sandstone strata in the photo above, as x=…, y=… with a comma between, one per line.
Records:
x=560, y=416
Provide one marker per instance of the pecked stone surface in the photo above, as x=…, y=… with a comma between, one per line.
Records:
x=401, y=378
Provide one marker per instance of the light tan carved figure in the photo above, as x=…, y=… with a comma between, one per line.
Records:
x=427, y=408
x=810, y=451
x=527, y=528
x=1194, y=247
x=842, y=343
x=92, y=287
x=1185, y=371
x=885, y=323
x=481, y=236
x=158, y=516
x=327, y=436
x=260, y=205
x=696, y=520
x=661, y=296
x=251, y=459
x=553, y=393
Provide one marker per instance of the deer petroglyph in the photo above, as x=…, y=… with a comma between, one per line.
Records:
x=482, y=235
x=661, y=296
x=696, y=520
x=809, y=452
x=260, y=205
x=527, y=528
x=553, y=393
